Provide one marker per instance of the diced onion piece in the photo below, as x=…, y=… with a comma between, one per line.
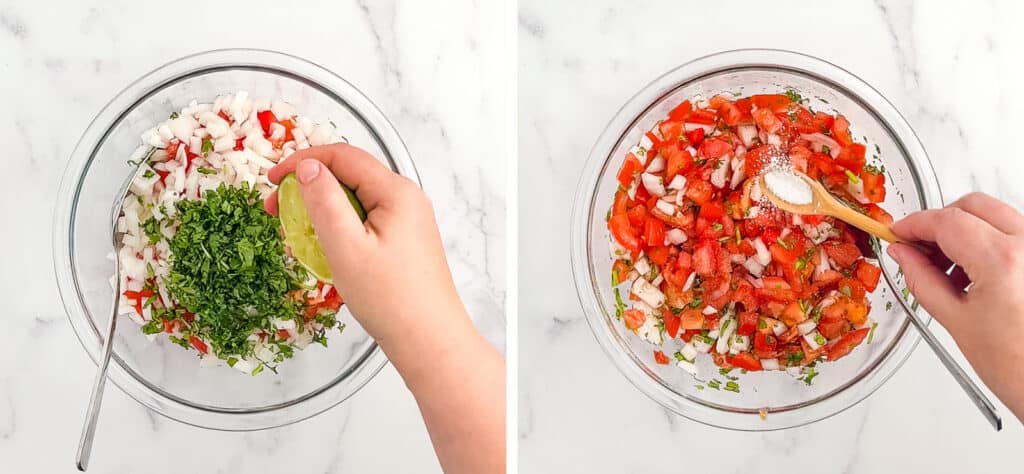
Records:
x=807, y=326
x=739, y=344
x=676, y=236
x=678, y=182
x=747, y=134
x=753, y=266
x=728, y=327
x=657, y=165
x=720, y=173
x=764, y=257
x=688, y=352
x=648, y=293
x=770, y=364
x=665, y=206
x=701, y=344
x=812, y=339
x=653, y=184
x=779, y=328
x=690, y=367
x=689, y=127
x=709, y=310
x=689, y=281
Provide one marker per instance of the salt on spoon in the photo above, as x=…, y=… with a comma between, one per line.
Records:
x=795, y=193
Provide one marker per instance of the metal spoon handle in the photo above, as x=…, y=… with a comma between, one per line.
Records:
x=977, y=396
x=92, y=415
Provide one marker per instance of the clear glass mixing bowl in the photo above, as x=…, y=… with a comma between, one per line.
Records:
x=788, y=402
x=160, y=375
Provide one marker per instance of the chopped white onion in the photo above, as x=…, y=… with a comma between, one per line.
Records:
x=806, y=326
x=653, y=184
x=770, y=364
x=764, y=257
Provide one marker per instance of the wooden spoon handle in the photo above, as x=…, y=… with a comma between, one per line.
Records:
x=867, y=224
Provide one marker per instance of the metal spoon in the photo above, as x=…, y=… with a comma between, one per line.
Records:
x=91, y=416
x=823, y=203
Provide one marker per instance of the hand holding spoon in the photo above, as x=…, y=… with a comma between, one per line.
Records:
x=797, y=193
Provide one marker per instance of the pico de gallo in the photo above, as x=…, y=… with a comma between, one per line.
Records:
x=701, y=257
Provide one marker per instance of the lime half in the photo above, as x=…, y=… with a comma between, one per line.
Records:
x=299, y=235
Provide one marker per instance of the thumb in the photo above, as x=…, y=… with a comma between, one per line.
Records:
x=928, y=283
x=335, y=220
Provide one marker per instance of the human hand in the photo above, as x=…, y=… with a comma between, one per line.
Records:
x=391, y=270
x=984, y=237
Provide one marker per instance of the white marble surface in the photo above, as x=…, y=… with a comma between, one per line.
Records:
x=952, y=70
x=434, y=73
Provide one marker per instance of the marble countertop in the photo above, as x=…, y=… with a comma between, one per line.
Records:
x=952, y=70
x=435, y=74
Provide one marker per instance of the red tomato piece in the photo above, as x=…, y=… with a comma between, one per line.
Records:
x=845, y=344
x=199, y=344
x=660, y=358
x=671, y=321
x=746, y=361
x=691, y=319
x=699, y=191
x=702, y=116
x=713, y=148
x=658, y=255
x=868, y=274
x=623, y=232
x=266, y=118
x=630, y=168
x=765, y=345
x=634, y=318
x=681, y=111
x=695, y=136
x=677, y=161
x=841, y=131
x=874, y=186
x=844, y=253
x=776, y=103
x=704, y=256
x=654, y=232
x=747, y=323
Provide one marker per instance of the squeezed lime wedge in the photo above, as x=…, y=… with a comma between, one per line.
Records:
x=299, y=235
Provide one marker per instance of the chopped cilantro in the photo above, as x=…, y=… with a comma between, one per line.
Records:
x=852, y=177
x=871, y=332
x=148, y=174
x=811, y=373
x=795, y=358
x=619, y=306
x=826, y=150
x=717, y=226
x=696, y=302
x=715, y=384
x=207, y=146
x=174, y=115
x=845, y=289
x=204, y=170
x=888, y=305
x=152, y=229
x=906, y=292
x=615, y=277
x=732, y=386
x=794, y=96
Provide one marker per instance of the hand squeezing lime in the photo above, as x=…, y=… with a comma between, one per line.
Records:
x=298, y=230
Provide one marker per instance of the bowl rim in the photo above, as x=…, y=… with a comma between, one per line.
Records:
x=396, y=154
x=587, y=284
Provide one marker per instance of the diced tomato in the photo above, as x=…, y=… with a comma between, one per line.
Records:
x=868, y=274
x=832, y=328
x=746, y=361
x=704, y=257
x=630, y=168
x=702, y=116
x=874, y=186
x=767, y=121
x=786, y=254
x=654, y=232
x=695, y=136
x=239, y=145
x=283, y=334
x=655, y=143
x=637, y=216
x=621, y=269
x=844, y=253
x=621, y=203
x=852, y=157
x=199, y=344
x=747, y=323
x=660, y=358
x=671, y=133
x=879, y=214
x=634, y=318
x=765, y=345
x=671, y=321
x=691, y=319
x=793, y=314
x=266, y=118
x=225, y=116
x=852, y=288
x=756, y=159
x=169, y=326
x=776, y=103
x=677, y=161
x=713, y=148
x=681, y=111
x=776, y=288
x=623, y=232
x=658, y=254
x=730, y=114
x=712, y=211
x=699, y=192
x=841, y=131
x=845, y=344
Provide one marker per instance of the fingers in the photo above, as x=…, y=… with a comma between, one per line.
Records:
x=335, y=220
x=270, y=204
x=359, y=170
x=929, y=284
x=961, y=236
x=989, y=209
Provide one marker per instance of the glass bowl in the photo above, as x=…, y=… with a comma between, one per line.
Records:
x=160, y=375
x=786, y=401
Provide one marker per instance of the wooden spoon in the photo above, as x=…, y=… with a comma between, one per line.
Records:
x=823, y=203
